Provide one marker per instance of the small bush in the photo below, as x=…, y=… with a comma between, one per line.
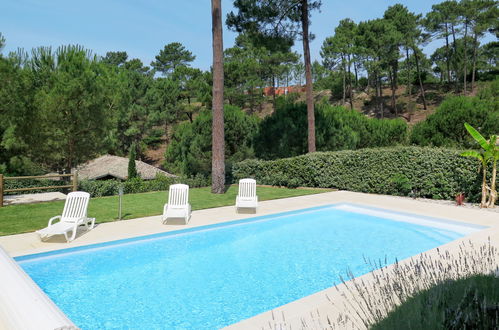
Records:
x=99, y=188
x=137, y=185
x=195, y=181
x=363, y=82
x=426, y=172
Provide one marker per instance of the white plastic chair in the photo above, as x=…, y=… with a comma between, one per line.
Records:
x=178, y=203
x=73, y=215
x=246, y=197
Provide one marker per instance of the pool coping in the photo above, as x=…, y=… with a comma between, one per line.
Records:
x=177, y=232
x=255, y=219
x=23, y=244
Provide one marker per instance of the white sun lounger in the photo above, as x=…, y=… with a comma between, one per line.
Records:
x=178, y=203
x=246, y=197
x=73, y=216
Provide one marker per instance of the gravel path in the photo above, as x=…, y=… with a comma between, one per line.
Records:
x=475, y=206
x=33, y=198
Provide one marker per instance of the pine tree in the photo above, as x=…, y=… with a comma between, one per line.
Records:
x=218, y=139
x=132, y=169
x=280, y=23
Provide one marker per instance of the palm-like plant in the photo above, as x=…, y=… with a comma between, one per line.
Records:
x=489, y=153
x=494, y=157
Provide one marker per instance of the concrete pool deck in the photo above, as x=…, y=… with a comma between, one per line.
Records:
x=312, y=309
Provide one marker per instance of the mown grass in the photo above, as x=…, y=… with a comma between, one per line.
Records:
x=16, y=219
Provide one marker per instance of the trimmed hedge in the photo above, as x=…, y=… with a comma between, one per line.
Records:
x=99, y=188
x=417, y=171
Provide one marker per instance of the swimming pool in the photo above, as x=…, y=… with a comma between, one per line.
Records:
x=212, y=276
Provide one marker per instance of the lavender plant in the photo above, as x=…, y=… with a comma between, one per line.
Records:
x=368, y=300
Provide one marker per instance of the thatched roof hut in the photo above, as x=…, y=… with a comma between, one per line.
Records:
x=115, y=167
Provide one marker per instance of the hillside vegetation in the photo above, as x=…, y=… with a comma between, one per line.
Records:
x=60, y=107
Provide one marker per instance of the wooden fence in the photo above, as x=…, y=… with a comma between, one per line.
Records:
x=73, y=185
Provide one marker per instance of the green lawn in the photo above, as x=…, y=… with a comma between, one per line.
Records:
x=16, y=219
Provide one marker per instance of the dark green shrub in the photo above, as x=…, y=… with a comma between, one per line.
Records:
x=362, y=83
x=489, y=89
x=195, y=181
x=154, y=138
x=425, y=172
x=284, y=133
x=446, y=126
x=291, y=97
x=98, y=188
x=136, y=185
x=189, y=152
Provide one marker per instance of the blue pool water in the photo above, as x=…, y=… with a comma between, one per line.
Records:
x=218, y=275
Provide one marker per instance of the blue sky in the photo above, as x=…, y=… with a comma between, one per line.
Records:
x=142, y=28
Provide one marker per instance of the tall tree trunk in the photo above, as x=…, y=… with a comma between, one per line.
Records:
x=447, y=52
x=350, y=88
x=393, y=87
x=475, y=47
x=251, y=100
x=416, y=57
x=308, y=77
x=376, y=91
x=465, y=57
x=344, y=80
x=381, y=103
x=218, y=143
x=454, y=55
x=69, y=162
x=368, y=81
x=356, y=75
x=395, y=73
x=167, y=136
x=273, y=92
x=409, y=77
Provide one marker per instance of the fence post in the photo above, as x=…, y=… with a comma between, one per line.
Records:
x=1, y=190
x=75, y=180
